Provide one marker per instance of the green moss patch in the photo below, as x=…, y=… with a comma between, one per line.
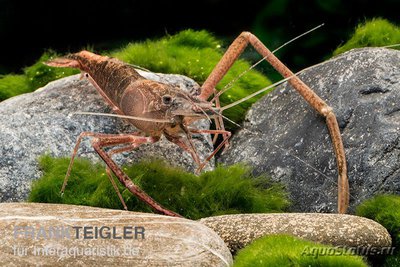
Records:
x=286, y=250
x=11, y=85
x=39, y=74
x=376, y=32
x=34, y=77
x=225, y=190
x=385, y=209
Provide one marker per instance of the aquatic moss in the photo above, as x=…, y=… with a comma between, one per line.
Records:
x=34, y=77
x=286, y=250
x=225, y=190
x=376, y=32
x=39, y=74
x=11, y=85
x=385, y=209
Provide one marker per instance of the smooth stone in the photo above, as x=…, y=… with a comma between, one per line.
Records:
x=239, y=230
x=168, y=241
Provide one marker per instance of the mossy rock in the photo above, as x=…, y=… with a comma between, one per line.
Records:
x=39, y=74
x=34, y=77
x=385, y=209
x=11, y=85
x=224, y=190
x=376, y=32
x=286, y=250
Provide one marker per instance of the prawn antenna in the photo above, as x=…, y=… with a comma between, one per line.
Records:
x=270, y=87
x=121, y=116
x=392, y=45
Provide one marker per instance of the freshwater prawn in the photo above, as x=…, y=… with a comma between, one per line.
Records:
x=157, y=109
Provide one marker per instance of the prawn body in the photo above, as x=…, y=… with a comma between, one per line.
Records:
x=129, y=93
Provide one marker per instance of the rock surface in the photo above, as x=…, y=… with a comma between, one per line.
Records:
x=43, y=122
x=332, y=229
x=285, y=138
x=159, y=240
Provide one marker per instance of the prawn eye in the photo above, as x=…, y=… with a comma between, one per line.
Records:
x=167, y=100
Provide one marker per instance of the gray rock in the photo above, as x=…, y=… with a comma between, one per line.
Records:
x=151, y=240
x=343, y=230
x=285, y=138
x=43, y=122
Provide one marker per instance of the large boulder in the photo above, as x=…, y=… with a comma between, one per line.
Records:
x=43, y=122
x=34, y=234
x=284, y=137
x=347, y=231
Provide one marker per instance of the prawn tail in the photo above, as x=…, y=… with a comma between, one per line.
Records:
x=63, y=62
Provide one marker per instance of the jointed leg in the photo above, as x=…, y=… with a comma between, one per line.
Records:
x=309, y=95
x=98, y=145
x=108, y=171
x=219, y=125
x=225, y=134
x=75, y=151
x=78, y=142
x=187, y=144
x=343, y=182
x=109, y=175
x=104, y=140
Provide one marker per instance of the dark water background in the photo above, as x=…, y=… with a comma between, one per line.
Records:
x=28, y=28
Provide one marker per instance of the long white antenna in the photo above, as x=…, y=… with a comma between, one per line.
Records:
x=392, y=45
x=122, y=116
x=256, y=93
x=295, y=38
